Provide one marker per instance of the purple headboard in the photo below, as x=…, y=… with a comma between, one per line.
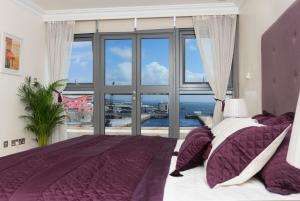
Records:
x=281, y=63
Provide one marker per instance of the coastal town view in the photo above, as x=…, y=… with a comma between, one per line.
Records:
x=195, y=108
x=118, y=113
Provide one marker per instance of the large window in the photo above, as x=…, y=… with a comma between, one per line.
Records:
x=142, y=83
x=79, y=93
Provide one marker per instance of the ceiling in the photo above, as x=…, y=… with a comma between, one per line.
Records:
x=86, y=4
x=61, y=10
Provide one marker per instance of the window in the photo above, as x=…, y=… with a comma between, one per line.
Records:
x=192, y=74
x=118, y=114
x=195, y=110
x=79, y=116
x=138, y=88
x=155, y=61
x=79, y=93
x=155, y=114
x=196, y=100
x=81, y=67
x=193, y=70
x=118, y=62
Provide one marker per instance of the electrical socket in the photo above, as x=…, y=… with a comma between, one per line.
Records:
x=13, y=143
x=22, y=141
x=5, y=144
x=17, y=142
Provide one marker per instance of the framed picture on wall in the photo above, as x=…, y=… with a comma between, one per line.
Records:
x=11, y=51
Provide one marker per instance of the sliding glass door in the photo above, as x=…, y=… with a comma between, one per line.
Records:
x=143, y=83
x=136, y=87
x=155, y=70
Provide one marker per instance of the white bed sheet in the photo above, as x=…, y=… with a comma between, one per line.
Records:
x=192, y=187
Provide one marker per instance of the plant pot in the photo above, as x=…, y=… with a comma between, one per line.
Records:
x=43, y=141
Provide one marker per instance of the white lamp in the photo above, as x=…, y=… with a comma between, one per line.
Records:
x=235, y=108
x=293, y=156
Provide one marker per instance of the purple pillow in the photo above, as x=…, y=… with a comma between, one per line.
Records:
x=263, y=117
x=284, y=118
x=230, y=162
x=278, y=175
x=270, y=119
x=191, y=151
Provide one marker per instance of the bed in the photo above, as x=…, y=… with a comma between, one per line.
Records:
x=89, y=168
x=123, y=168
x=112, y=168
x=193, y=187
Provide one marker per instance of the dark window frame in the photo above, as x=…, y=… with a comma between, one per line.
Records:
x=183, y=35
x=179, y=88
x=83, y=86
x=78, y=89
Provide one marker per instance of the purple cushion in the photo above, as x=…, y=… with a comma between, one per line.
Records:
x=270, y=120
x=284, y=118
x=278, y=175
x=191, y=151
x=234, y=154
x=263, y=117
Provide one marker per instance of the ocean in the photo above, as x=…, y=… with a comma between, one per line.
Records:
x=186, y=108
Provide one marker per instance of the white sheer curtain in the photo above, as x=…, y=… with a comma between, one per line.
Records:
x=59, y=39
x=215, y=37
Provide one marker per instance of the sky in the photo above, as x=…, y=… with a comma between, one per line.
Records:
x=81, y=65
x=118, y=62
x=155, y=64
x=194, y=71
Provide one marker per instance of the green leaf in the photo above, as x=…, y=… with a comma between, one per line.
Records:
x=43, y=115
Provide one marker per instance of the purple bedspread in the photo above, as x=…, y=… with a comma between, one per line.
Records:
x=89, y=168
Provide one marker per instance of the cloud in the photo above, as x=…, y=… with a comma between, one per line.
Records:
x=125, y=52
x=194, y=77
x=155, y=74
x=121, y=74
x=191, y=44
x=81, y=59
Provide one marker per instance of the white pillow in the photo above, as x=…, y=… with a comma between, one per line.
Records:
x=228, y=127
x=232, y=124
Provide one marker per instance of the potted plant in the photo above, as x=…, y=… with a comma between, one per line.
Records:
x=43, y=114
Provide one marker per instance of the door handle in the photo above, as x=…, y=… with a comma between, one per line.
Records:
x=134, y=95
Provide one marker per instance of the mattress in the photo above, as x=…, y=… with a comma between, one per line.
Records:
x=192, y=187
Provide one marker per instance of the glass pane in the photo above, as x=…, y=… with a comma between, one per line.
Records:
x=118, y=62
x=155, y=115
x=155, y=61
x=81, y=66
x=194, y=70
x=118, y=110
x=79, y=109
x=195, y=111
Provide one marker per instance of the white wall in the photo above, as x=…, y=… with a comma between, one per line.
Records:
x=20, y=22
x=256, y=16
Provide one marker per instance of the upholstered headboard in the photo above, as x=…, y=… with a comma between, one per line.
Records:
x=281, y=63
